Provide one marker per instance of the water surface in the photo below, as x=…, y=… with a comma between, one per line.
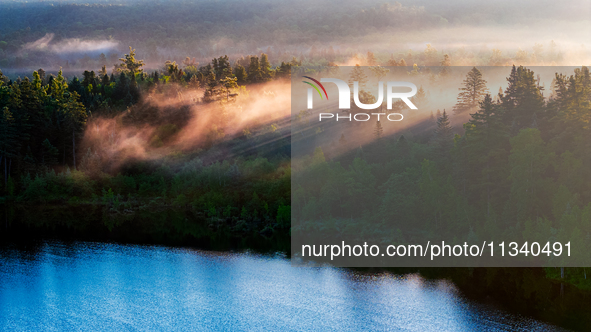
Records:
x=89, y=286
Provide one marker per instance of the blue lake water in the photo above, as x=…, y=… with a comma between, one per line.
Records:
x=110, y=287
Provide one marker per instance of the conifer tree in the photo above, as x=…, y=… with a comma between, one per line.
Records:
x=522, y=99
x=129, y=64
x=254, y=70
x=240, y=73
x=472, y=92
x=266, y=71
x=221, y=67
x=443, y=138
x=487, y=137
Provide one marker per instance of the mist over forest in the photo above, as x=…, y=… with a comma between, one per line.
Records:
x=78, y=35
x=115, y=113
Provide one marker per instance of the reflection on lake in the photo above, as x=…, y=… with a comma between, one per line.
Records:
x=102, y=286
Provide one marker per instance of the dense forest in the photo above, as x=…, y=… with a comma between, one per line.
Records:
x=186, y=144
x=517, y=170
x=238, y=182
x=478, y=178
x=48, y=157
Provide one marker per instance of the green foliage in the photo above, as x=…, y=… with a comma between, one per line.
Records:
x=130, y=64
x=506, y=178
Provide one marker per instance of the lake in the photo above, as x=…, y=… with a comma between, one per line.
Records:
x=93, y=286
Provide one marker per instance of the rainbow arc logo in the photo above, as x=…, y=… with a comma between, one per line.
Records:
x=315, y=87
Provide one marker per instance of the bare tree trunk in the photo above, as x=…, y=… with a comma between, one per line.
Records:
x=74, y=148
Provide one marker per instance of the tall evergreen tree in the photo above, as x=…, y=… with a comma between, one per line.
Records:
x=74, y=115
x=240, y=73
x=129, y=63
x=222, y=67
x=488, y=138
x=266, y=71
x=254, y=70
x=443, y=138
x=522, y=99
x=472, y=93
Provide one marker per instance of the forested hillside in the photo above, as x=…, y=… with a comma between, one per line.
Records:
x=189, y=137
x=81, y=35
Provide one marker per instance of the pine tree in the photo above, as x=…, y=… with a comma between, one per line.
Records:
x=221, y=67
x=89, y=77
x=129, y=64
x=472, y=92
x=104, y=82
x=254, y=70
x=284, y=70
x=266, y=71
x=41, y=73
x=443, y=138
x=59, y=87
x=240, y=73
x=38, y=83
x=212, y=88
x=488, y=138
x=522, y=99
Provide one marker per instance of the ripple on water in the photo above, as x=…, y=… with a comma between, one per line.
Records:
x=104, y=286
